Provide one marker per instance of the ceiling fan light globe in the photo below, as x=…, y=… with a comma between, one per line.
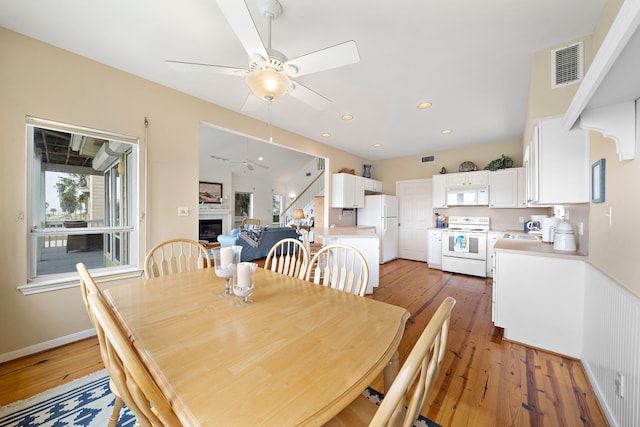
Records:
x=268, y=84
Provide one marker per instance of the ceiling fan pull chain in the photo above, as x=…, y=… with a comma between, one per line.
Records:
x=270, y=126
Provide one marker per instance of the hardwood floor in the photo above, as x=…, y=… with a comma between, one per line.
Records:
x=485, y=380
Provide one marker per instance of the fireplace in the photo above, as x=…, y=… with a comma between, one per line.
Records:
x=210, y=229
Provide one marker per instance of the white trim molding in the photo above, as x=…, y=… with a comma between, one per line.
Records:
x=57, y=342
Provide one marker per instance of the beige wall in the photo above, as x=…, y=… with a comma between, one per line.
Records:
x=609, y=246
x=607, y=17
x=409, y=167
x=40, y=80
x=612, y=247
x=545, y=101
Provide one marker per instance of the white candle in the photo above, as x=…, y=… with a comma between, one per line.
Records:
x=226, y=257
x=244, y=275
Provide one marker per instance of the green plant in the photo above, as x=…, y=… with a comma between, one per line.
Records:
x=503, y=162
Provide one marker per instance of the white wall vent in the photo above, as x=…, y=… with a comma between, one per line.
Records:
x=428, y=159
x=567, y=65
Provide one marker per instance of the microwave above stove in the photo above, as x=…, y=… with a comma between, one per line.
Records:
x=476, y=195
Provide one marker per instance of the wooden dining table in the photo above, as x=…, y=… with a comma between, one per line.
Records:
x=297, y=355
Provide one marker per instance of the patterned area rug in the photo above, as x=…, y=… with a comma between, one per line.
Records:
x=376, y=397
x=88, y=402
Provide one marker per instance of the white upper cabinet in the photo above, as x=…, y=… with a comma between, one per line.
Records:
x=347, y=191
x=557, y=163
x=439, y=194
x=468, y=178
x=507, y=188
x=372, y=185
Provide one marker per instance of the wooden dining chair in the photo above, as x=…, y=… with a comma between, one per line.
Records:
x=416, y=376
x=88, y=286
x=340, y=267
x=139, y=390
x=312, y=248
x=175, y=256
x=288, y=256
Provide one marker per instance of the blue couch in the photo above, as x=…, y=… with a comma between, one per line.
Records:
x=271, y=236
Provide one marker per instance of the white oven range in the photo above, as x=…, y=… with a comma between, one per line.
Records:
x=464, y=245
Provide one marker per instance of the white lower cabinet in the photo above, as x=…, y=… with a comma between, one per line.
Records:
x=492, y=238
x=539, y=301
x=434, y=250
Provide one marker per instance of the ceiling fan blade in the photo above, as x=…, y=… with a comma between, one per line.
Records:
x=217, y=69
x=308, y=96
x=249, y=166
x=252, y=103
x=242, y=24
x=220, y=158
x=261, y=166
x=332, y=57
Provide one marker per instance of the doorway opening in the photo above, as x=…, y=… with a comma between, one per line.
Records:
x=243, y=207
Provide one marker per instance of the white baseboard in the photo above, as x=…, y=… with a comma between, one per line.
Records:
x=599, y=394
x=36, y=348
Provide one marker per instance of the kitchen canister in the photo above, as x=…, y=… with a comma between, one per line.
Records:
x=564, y=238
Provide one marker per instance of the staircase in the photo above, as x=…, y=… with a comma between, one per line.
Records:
x=305, y=199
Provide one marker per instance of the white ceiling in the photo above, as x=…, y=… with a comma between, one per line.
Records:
x=282, y=164
x=471, y=59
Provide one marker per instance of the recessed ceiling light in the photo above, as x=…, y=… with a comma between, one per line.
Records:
x=377, y=145
x=447, y=131
x=326, y=135
x=424, y=105
x=347, y=117
x=260, y=158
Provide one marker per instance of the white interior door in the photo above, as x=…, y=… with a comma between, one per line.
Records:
x=415, y=214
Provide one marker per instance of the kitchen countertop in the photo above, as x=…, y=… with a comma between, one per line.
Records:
x=535, y=247
x=349, y=231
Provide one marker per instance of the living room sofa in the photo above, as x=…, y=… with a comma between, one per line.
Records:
x=270, y=236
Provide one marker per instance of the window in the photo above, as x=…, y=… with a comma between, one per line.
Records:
x=277, y=208
x=83, y=203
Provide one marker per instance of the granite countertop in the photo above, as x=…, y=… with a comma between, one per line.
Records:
x=535, y=247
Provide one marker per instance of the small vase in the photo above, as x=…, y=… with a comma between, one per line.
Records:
x=366, y=171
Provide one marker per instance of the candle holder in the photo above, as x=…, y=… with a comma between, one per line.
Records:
x=225, y=261
x=246, y=281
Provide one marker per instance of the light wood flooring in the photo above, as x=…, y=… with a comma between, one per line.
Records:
x=485, y=380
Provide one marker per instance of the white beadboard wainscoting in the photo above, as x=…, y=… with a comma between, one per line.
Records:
x=612, y=346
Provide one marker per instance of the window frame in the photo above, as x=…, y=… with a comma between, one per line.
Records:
x=136, y=229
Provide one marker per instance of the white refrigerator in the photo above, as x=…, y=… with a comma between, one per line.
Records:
x=381, y=211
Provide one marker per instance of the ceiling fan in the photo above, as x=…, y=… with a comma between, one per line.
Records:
x=249, y=164
x=246, y=162
x=270, y=71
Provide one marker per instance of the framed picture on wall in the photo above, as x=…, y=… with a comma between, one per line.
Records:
x=210, y=192
x=597, y=181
